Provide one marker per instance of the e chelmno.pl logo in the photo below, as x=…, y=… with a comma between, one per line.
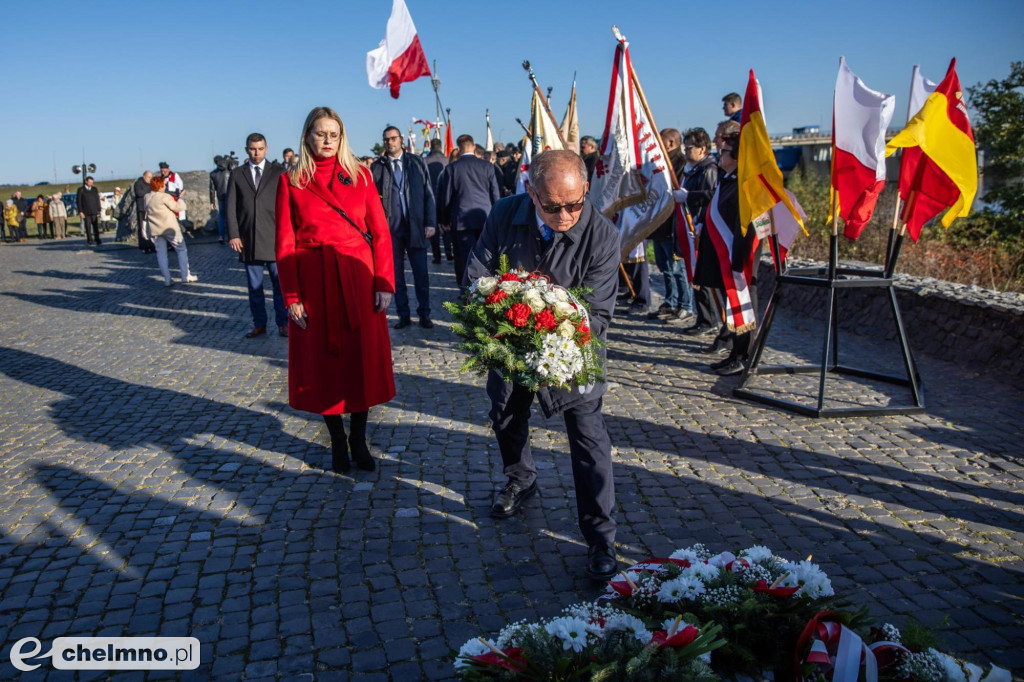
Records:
x=110, y=653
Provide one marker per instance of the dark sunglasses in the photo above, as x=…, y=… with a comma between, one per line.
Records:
x=574, y=207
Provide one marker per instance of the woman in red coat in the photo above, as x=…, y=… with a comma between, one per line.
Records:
x=336, y=271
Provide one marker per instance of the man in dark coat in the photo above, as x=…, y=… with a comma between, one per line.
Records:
x=403, y=182
x=436, y=163
x=698, y=187
x=139, y=191
x=588, y=149
x=249, y=212
x=22, y=206
x=219, y=179
x=466, y=193
x=88, y=198
x=555, y=230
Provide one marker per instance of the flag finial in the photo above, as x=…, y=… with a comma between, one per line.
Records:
x=618, y=34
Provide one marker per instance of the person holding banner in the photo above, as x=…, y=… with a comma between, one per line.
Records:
x=554, y=229
x=733, y=251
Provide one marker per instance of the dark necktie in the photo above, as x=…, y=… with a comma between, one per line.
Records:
x=259, y=174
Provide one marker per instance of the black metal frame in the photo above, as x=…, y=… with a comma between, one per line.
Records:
x=833, y=278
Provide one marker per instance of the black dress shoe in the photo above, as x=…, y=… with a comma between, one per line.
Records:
x=601, y=562
x=698, y=330
x=510, y=498
x=722, y=363
x=403, y=322
x=715, y=349
x=736, y=366
x=426, y=323
x=436, y=261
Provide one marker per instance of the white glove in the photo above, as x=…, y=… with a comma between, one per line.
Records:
x=679, y=195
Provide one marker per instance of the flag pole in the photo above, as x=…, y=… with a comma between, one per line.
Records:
x=890, y=244
x=833, y=242
x=890, y=267
x=776, y=253
x=543, y=101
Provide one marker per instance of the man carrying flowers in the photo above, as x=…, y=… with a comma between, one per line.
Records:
x=555, y=231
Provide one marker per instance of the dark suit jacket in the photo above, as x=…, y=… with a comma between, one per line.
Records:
x=436, y=162
x=467, y=191
x=419, y=196
x=587, y=256
x=250, y=212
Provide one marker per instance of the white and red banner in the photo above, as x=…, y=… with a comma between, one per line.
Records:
x=399, y=58
x=860, y=118
x=631, y=182
x=543, y=136
x=786, y=226
x=739, y=310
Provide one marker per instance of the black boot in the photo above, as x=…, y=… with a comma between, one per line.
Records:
x=339, y=446
x=357, y=442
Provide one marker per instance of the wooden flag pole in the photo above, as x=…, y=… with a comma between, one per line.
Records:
x=892, y=231
x=629, y=282
x=833, y=245
x=776, y=251
x=890, y=267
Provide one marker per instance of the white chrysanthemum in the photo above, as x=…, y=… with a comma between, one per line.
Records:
x=756, y=554
x=813, y=582
x=474, y=647
x=572, y=632
x=671, y=626
x=686, y=554
x=670, y=592
x=703, y=572
x=486, y=285
x=535, y=300
x=630, y=624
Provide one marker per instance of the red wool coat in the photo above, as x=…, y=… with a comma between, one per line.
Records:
x=341, y=361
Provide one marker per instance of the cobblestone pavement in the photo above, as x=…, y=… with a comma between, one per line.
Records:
x=155, y=482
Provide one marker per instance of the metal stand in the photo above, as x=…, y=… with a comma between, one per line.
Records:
x=833, y=279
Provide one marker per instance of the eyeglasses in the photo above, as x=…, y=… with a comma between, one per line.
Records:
x=574, y=207
x=323, y=137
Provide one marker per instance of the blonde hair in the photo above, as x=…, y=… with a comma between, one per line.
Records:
x=302, y=174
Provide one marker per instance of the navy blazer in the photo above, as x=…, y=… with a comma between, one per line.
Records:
x=585, y=256
x=419, y=195
x=466, y=192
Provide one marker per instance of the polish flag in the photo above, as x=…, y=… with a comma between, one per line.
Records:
x=860, y=118
x=399, y=58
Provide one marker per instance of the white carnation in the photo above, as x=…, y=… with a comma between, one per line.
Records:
x=511, y=286
x=563, y=309
x=566, y=329
x=535, y=300
x=561, y=294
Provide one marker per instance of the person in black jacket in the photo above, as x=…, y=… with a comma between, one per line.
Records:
x=466, y=192
x=252, y=229
x=555, y=230
x=403, y=182
x=698, y=187
x=219, y=180
x=139, y=191
x=745, y=247
x=436, y=163
x=88, y=198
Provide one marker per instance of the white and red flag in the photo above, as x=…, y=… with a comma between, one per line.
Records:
x=786, y=225
x=738, y=308
x=860, y=117
x=543, y=136
x=631, y=182
x=399, y=58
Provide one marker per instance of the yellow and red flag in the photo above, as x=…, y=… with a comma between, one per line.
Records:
x=946, y=172
x=758, y=175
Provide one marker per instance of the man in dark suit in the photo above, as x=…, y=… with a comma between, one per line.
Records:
x=555, y=230
x=436, y=163
x=403, y=183
x=88, y=200
x=467, y=191
x=250, y=209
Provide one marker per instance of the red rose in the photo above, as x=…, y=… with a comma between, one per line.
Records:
x=509, y=277
x=497, y=296
x=519, y=314
x=545, y=319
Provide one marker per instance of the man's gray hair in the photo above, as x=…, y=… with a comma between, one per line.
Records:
x=554, y=160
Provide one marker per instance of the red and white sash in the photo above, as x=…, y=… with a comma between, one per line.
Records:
x=739, y=311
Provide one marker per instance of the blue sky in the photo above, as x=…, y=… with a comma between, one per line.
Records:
x=183, y=81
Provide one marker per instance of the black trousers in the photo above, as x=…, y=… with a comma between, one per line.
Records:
x=440, y=236
x=91, y=227
x=589, y=447
x=640, y=277
x=464, y=241
x=740, y=343
x=705, y=307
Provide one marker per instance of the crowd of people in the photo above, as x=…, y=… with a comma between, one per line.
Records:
x=333, y=233
x=97, y=212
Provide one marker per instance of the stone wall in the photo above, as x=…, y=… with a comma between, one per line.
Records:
x=978, y=328
x=197, y=199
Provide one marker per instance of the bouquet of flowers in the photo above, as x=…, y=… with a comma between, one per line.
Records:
x=590, y=642
x=762, y=601
x=537, y=334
